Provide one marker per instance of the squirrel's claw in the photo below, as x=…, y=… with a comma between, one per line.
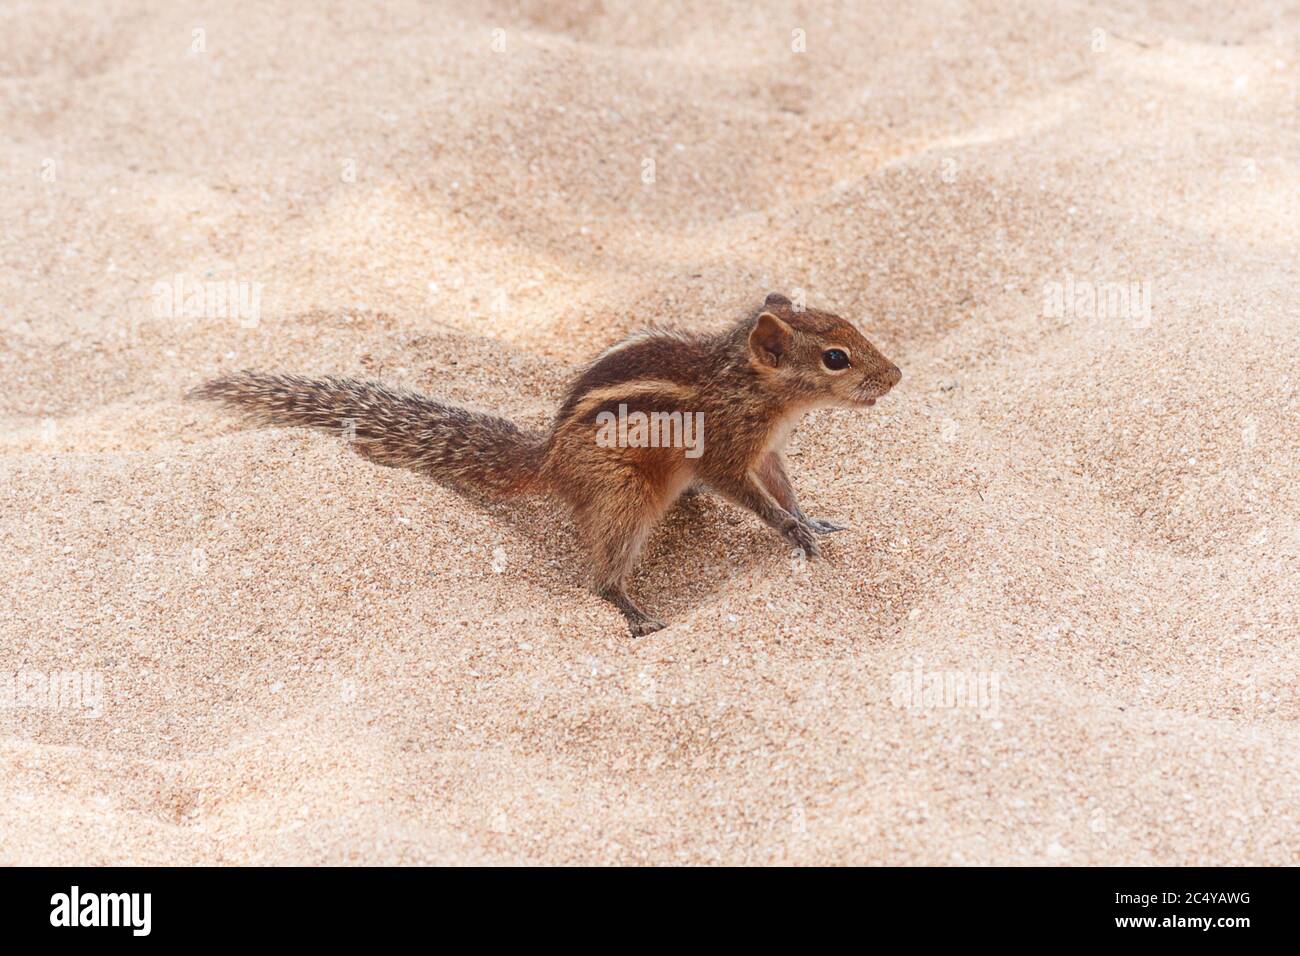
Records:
x=826, y=527
x=800, y=535
x=645, y=625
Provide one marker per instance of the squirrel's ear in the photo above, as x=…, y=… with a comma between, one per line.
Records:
x=769, y=340
x=776, y=298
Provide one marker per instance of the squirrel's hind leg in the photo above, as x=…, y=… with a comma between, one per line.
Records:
x=615, y=531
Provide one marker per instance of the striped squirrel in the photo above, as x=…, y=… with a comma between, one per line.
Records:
x=751, y=383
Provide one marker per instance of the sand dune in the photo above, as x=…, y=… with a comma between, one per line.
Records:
x=265, y=649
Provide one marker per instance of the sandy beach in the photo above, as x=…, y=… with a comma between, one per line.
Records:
x=1063, y=628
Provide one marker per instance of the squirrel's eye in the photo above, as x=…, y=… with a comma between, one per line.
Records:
x=835, y=359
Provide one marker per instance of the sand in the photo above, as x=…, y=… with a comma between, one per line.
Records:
x=264, y=649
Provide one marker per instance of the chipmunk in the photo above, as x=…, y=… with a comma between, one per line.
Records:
x=748, y=386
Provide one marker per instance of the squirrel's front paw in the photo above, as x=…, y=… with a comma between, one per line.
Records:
x=825, y=527
x=801, y=536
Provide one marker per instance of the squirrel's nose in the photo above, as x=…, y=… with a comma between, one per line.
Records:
x=893, y=376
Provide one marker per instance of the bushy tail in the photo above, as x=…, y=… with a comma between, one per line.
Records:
x=467, y=449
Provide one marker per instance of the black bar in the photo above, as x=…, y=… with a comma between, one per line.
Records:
x=368, y=905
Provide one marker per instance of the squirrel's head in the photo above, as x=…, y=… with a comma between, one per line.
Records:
x=818, y=356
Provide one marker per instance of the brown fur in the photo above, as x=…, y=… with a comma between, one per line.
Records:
x=752, y=382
